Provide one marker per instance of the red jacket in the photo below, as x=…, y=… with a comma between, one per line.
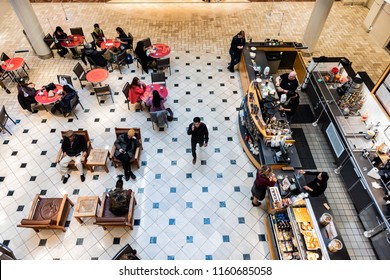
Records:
x=135, y=93
x=262, y=182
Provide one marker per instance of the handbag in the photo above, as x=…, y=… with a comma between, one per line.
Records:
x=169, y=114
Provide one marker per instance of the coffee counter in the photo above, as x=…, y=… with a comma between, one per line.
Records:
x=347, y=142
x=285, y=233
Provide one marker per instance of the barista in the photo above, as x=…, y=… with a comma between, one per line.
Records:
x=317, y=186
x=287, y=82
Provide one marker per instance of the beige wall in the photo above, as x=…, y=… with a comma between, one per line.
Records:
x=378, y=19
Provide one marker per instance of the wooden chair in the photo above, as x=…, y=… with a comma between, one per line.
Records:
x=4, y=117
x=106, y=218
x=48, y=213
x=164, y=63
x=83, y=133
x=80, y=73
x=103, y=91
x=136, y=159
x=125, y=91
x=158, y=78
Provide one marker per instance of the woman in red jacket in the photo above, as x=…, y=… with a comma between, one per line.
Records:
x=264, y=178
x=137, y=89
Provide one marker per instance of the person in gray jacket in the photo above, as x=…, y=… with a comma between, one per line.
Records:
x=125, y=146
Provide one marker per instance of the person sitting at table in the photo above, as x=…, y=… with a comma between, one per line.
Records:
x=97, y=35
x=95, y=56
x=111, y=53
x=287, y=82
x=26, y=95
x=318, y=186
x=123, y=39
x=137, y=89
x=59, y=36
x=63, y=105
x=143, y=58
x=155, y=102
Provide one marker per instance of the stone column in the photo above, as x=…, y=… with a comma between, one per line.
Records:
x=31, y=26
x=316, y=23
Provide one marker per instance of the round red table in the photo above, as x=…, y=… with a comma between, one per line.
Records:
x=45, y=99
x=12, y=64
x=162, y=90
x=109, y=43
x=72, y=41
x=97, y=75
x=160, y=50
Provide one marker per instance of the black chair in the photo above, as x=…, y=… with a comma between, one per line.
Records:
x=73, y=103
x=131, y=42
x=80, y=74
x=50, y=42
x=7, y=254
x=147, y=42
x=138, y=62
x=77, y=31
x=103, y=91
x=4, y=57
x=4, y=117
x=91, y=63
x=62, y=78
x=120, y=60
x=158, y=78
x=163, y=64
x=125, y=91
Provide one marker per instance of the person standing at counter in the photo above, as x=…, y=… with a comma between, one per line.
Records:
x=264, y=178
x=318, y=186
x=291, y=105
x=287, y=82
x=236, y=47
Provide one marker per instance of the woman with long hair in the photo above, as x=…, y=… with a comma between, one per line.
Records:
x=155, y=102
x=137, y=89
x=123, y=39
x=264, y=178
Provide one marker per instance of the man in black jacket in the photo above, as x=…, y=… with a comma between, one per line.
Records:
x=74, y=148
x=236, y=47
x=125, y=146
x=26, y=95
x=199, y=134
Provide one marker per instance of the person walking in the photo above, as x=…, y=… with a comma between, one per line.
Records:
x=264, y=178
x=236, y=47
x=199, y=135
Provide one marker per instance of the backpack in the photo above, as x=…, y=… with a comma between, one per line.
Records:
x=129, y=59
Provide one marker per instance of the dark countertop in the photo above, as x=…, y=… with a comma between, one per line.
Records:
x=270, y=158
x=260, y=59
x=317, y=204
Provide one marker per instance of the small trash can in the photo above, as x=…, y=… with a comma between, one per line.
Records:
x=274, y=59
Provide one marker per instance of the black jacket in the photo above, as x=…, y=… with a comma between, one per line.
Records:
x=128, y=145
x=26, y=101
x=95, y=56
x=235, y=43
x=200, y=134
x=316, y=185
x=79, y=146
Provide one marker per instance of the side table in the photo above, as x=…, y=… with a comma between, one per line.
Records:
x=86, y=206
x=98, y=157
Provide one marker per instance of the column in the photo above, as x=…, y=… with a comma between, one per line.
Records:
x=31, y=26
x=316, y=23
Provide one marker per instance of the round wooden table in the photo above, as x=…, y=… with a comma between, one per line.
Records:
x=72, y=41
x=160, y=50
x=162, y=90
x=109, y=43
x=97, y=75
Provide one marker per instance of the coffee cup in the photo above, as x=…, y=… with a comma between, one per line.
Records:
x=335, y=245
x=325, y=219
